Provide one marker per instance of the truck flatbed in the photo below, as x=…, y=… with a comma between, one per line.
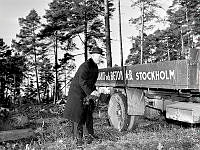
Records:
x=177, y=74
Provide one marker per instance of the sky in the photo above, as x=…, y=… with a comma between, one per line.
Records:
x=11, y=10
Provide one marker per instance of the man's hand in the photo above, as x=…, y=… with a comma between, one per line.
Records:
x=92, y=97
x=87, y=100
x=95, y=93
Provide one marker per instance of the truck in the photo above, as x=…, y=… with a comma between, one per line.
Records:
x=169, y=87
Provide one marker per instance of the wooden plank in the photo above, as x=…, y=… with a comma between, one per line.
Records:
x=16, y=134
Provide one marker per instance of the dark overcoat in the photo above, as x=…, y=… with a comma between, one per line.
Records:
x=82, y=85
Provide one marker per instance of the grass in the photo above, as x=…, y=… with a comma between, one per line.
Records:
x=150, y=135
x=54, y=133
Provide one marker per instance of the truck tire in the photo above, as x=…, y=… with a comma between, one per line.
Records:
x=117, y=112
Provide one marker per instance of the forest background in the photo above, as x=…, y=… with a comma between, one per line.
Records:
x=32, y=71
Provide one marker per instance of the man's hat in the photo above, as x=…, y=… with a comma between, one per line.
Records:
x=96, y=50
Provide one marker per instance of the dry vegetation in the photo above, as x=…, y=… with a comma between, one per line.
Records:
x=54, y=133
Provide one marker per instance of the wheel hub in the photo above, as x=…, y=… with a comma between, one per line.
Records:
x=119, y=111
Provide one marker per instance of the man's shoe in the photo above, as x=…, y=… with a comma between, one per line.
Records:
x=94, y=137
x=79, y=143
x=88, y=139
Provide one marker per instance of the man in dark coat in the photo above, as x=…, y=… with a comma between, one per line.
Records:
x=82, y=86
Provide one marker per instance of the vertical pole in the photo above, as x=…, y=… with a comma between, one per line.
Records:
x=121, y=48
x=107, y=33
x=120, y=34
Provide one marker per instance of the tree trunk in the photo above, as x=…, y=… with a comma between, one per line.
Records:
x=188, y=32
x=142, y=31
x=2, y=89
x=37, y=80
x=45, y=92
x=182, y=43
x=36, y=71
x=85, y=33
x=56, y=70
x=14, y=91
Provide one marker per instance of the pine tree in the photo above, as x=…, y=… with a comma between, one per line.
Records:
x=72, y=17
x=184, y=17
x=67, y=19
x=176, y=41
x=148, y=14
x=29, y=44
x=46, y=78
x=12, y=68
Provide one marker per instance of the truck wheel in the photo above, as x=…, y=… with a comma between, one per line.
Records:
x=117, y=112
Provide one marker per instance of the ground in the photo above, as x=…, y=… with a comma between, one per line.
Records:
x=54, y=133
